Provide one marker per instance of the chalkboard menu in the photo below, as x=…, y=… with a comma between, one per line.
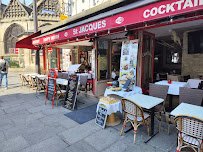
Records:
x=101, y=116
x=51, y=87
x=71, y=92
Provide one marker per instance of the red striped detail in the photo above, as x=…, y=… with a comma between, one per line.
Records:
x=135, y=131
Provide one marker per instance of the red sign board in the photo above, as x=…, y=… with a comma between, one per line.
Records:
x=16, y=51
x=151, y=12
x=49, y=50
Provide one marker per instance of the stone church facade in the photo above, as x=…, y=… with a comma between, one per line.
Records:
x=16, y=22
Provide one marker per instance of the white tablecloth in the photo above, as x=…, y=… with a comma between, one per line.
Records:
x=111, y=108
x=122, y=93
x=61, y=81
x=173, y=87
x=193, y=83
x=84, y=74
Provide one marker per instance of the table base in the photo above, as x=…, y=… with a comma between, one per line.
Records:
x=150, y=137
x=112, y=120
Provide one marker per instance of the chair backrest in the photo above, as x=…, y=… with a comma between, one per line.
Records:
x=64, y=75
x=132, y=108
x=186, y=78
x=60, y=75
x=189, y=125
x=159, y=91
x=83, y=80
x=162, y=76
x=192, y=96
x=200, y=86
x=173, y=77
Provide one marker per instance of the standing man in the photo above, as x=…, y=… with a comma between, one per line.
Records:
x=3, y=71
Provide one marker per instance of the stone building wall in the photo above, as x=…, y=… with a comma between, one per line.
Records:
x=192, y=64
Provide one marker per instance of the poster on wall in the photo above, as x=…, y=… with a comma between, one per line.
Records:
x=66, y=58
x=13, y=51
x=128, y=62
x=93, y=63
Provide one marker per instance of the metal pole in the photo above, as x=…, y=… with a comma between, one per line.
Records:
x=37, y=59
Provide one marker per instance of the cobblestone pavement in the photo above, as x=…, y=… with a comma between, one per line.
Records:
x=28, y=125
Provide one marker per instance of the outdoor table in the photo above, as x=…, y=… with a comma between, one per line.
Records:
x=173, y=89
x=147, y=102
x=42, y=77
x=188, y=109
x=61, y=81
x=193, y=83
x=111, y=111
x=31, y=74
x=122, y=93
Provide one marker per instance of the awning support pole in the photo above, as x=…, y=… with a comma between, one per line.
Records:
x=37, y=59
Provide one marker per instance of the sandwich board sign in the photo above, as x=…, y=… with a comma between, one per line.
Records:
x=51, y=87
x=71, y=92
x=101, y=116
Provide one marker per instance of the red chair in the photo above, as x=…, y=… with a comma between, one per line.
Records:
x=90, y=81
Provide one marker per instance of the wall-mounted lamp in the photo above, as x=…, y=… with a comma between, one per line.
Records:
x=85, y=36
x=68, y=40
x=95, y=34
x=76, y=39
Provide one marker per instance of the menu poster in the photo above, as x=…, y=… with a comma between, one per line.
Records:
x=128, y=62
x=71, y=92
x=101, y=116
x=51, y=87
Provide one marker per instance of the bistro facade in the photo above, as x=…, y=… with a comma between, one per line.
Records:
x=168, y=36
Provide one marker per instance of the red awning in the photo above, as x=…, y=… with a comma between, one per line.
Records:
x=27, y=42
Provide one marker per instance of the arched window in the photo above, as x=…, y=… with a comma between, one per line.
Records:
x=10, y=36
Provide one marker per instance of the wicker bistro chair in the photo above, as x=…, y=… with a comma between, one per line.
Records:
x=188, y=95
x=135, y=115
x=159, y=91
x=23, y=80
x=59, y=93
x=33, y=82
x=41, y=84
x=190, y=132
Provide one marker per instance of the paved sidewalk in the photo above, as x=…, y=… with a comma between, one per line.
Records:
x=28, y=125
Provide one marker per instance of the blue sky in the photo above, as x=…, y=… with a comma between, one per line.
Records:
x=27, y=2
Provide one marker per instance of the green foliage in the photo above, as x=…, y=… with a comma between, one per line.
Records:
x=14, y=64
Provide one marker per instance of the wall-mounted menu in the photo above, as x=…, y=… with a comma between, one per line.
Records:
x=101, y=116
x=128, y=62
x=71, y=92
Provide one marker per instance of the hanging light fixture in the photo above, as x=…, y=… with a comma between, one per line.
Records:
x=145, y=24
x=171, y=19
x=109, y=31
x=95, y=34
x=76, y=39
x=85, y=36
x=125, y=29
